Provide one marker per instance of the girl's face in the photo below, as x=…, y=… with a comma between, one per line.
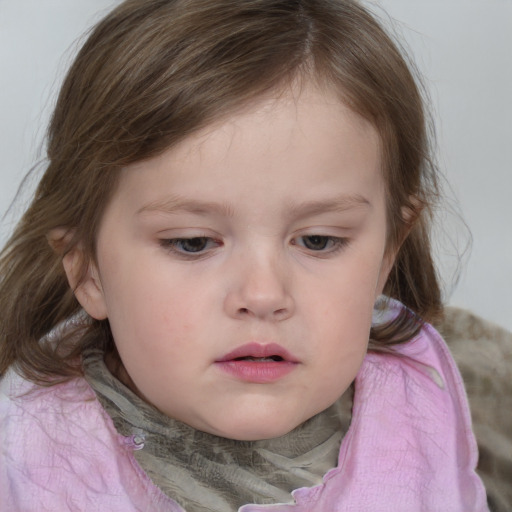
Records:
x=239, y=269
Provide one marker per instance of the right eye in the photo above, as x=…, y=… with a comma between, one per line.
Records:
x=189, y=246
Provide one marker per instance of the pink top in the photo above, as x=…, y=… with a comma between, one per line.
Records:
x=409, y=447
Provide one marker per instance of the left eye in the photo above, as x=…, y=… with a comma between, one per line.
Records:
x=189, y=245
x=321, y=242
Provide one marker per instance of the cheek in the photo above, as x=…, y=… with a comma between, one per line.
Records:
x=340, y=356
x=346, y=330
x=152, y=319
x=340, y=314
x=350, y=287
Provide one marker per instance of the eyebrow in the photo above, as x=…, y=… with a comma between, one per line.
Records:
x=333, y=204
x=178, y=204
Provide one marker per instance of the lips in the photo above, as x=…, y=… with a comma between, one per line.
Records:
x=258, y=351
x=258, y=363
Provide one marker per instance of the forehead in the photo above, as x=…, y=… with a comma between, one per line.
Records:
x=296, y=108
x=305, y=137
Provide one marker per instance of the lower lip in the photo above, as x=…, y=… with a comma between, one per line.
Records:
x=259, y=372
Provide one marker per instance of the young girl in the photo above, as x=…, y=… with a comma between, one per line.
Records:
x=218, y=297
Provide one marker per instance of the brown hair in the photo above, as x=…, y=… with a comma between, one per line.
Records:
x=154, y=71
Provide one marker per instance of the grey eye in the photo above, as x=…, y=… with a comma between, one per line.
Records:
x=196, y=244
x=316, y=242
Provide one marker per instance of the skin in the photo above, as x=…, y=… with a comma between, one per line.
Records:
x=268, y=227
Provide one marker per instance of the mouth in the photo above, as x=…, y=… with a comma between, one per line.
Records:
x=271, y=352
x=275, y=359
x=257, y=363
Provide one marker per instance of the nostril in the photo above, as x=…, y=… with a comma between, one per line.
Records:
x=243, y=311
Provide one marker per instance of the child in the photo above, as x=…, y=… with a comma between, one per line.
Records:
x=217, y=298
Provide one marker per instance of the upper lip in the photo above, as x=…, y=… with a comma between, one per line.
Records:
x=259, y=350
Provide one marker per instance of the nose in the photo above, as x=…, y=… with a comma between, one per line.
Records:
x=259, y=288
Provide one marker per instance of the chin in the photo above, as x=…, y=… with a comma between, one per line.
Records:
x=253, y=431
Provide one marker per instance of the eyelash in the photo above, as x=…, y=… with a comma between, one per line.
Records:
x=176, y=246
x=330, y=245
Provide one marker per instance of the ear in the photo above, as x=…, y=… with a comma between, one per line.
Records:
x=84, y=281
x=387, y=264
x=409, y=216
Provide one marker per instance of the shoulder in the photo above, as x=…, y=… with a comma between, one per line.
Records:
x=57, y=413
x=483, y=352
x=410, y=441
x=43, y=431
x=60, y=451
x=425, y=364
x=420, y=381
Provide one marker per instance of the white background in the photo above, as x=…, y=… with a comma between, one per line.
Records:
x=463, y=47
